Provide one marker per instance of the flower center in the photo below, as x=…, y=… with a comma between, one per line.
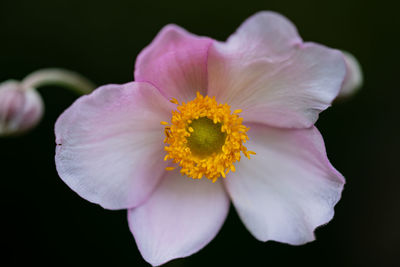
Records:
x=204, y=138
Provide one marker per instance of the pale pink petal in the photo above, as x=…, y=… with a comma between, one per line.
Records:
x=288, y=188
x=354, y=78
x=176, y=63
x=289, y=93
x=266, y=34
x=110, y=144
x=180, y=218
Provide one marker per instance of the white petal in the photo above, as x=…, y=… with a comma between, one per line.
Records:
x=288, y=188
x=265, y=34
x=110, y=144
x=180, y=218
x=289, y=93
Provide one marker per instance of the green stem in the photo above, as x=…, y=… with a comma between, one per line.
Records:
x=58, y=77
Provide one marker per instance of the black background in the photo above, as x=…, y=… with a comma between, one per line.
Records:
x=48, y=224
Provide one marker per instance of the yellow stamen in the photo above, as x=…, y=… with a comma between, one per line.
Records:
x=174, y=101
x=233, y=169
x=205, y=138
x=170, y=168
x=164, y=123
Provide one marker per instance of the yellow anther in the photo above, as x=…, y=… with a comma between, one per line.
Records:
x=174, y=101
x=164, y=123
x=237, y=111
x=170, y=168
x=233, y=168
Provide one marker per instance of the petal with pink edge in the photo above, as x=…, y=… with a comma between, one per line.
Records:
x=266, y=34
x=180, y=218
x=110, y=144
x=176, y=63
x=288, y=188
x=289, y=93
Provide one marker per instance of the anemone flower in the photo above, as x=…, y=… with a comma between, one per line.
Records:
x=205, y=123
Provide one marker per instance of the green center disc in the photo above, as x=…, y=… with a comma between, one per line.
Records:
x=206, y=138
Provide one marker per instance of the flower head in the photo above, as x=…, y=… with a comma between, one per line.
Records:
x=197, y=106
x=205, y=139
x=20, y=108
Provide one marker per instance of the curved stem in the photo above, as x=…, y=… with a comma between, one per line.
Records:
x=59, y=77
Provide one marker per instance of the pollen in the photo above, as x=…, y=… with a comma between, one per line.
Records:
x=205, y=138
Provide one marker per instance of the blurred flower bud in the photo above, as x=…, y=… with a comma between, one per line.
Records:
x=20, y=108
x=353, y=79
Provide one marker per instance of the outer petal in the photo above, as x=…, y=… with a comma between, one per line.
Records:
x=289, y=188
x=265, y=70
x=180, y=218
x=266, y=34
x=289, y=93
x=354, y=78
x=110, y=144
x=176, y=63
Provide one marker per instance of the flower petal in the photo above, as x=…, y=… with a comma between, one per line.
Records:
x=176, y=63
x=354, y=78
x=288, y=188
x=266, y=34
x=289, y=93
x=110, y=144
x=180, y=218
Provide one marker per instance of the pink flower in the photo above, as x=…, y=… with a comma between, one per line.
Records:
x=269, y=87
x=21, y=108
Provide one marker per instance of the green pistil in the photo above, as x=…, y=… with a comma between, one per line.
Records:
x=206, y=137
